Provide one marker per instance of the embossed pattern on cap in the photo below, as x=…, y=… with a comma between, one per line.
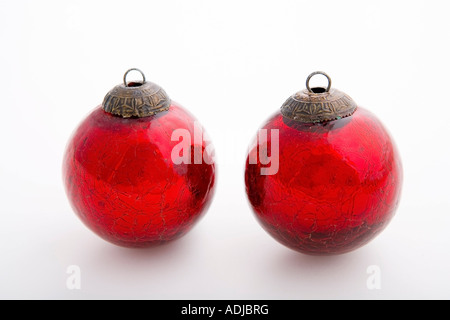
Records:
x=310, y=107
x=140, y=100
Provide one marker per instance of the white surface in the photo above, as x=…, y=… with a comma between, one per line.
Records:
x=223, y=60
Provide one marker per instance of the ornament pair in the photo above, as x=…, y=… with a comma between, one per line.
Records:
x=138, y=172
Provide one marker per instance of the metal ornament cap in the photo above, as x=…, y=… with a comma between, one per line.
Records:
x=136, y=99
x=318, y=104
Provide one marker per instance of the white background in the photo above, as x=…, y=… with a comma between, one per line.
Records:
x=232, y=64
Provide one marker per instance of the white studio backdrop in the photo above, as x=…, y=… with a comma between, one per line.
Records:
x=232, y=64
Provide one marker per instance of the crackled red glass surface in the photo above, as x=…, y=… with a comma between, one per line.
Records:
x=337, y=185
x=122, y=182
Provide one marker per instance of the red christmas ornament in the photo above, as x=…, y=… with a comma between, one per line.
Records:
x=137, y=170
x=324, y=176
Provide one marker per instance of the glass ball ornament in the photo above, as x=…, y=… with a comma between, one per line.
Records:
x=323, y=175
x=138, y=170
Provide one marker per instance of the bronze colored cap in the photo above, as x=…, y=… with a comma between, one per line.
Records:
x=136, y=99
x=318, y=104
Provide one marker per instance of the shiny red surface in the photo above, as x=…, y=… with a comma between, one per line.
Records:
x=337, y=187
x=122, y=183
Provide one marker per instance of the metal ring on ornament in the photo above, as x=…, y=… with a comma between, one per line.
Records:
x=128, y=71
x=313, y=74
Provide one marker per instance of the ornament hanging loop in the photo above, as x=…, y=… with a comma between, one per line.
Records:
x=139, y=98
x=128, y=71
x=312, y=75
x=318, y=104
